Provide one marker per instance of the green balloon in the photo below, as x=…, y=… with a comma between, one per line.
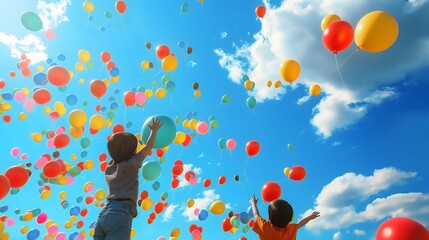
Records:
x=155, y=83
x=214, y=124
x=290, y=146
x=185, y=7
x=226, y=98
x=62, y=88
x=85, y=142
x=90, y=64
x=162, y=160
x=151, y=170
x=108, y=14
x=165, y=79
x=166, y=133
x=251, y=102
x=74, y=171
x=31, y=21
x=178, y=119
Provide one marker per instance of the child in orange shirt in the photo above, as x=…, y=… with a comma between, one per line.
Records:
x=278, y=227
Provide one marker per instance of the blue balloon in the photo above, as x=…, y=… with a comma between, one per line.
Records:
x=33, y=234
x=92, y=225
x=181, y=44
x=170, y=86
x=3, y=208
x=114, y=72
x=7, y=96
x=111, y=98
x=90, y=18
x=103, y=108
x=40, y=79
x=117, y=91
x=194, y=113
x=53, y=64
x=166, y=133
x=250, y=211
x=73, y=235
x=114, y=105
x=61, y=57
x=244, y=217
x=71, y=100
x=189, y=115
x=102, y=29
x=48, y=61
x=203, y=215
x=74, y=211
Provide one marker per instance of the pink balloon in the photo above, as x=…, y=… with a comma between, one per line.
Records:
x=40, y=162
x=196, y=234
x=202, y=128
x=60, y=236
x=70, y=180
x=50, y=143
x=59, y=130
x=161, y=238
x=53, y=229
x=24, y=156
x=41, y=218
x=15, y=151
x=231, y=144
x=10, y=222
x=140, y=98
x=29, y=105
x=50, y=34
x=196, y=211
x=193, y=180
x=19, y=96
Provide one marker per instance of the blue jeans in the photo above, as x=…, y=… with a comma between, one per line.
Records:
x=114, y=221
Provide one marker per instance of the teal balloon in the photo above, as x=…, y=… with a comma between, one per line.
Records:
x=214, y=124
x=185, y=7
x=156, y=185
x=62, y=88
x=165, y=195
x=85, y=103
x=31, y=21
x=36, y=212
x=178, y=119
x=211, y=118
x=83, y=154
x=245, y=229
x=165, y=79
x=14, y=191
x=166, y=133
x=251, y=102
x=244, y=78
x=221, y=143
x=151, y=170
x=85, y=142
x=17, y=211
x=290, y=146
x=170, y=86
x=235, y=221
x=108, y=14
x=226, y=98
x=129, y=124
x=79, y=199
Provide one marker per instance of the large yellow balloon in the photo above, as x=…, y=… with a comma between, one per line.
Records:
x=146, y=204
x=289, y=70
x=4, y=236
x=88, y=6
x=376, y=31
x=97, y=121
x=217, y=207
x=327, y=20
x=315, y=90
x=84, y=55
x=100, y=194
x=77, y=118
x=169, y=63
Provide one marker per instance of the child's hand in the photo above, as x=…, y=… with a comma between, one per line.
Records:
x=156, y=124
x=253, y=200
x=314, y=215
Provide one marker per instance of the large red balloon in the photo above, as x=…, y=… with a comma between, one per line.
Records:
x=226, y=224
x=17, y=175
x=98, y=88
x=61, y=140
x=129, y=98
x=42, y=96
x=162, y=51
x=58, y=76
x=177, y=170
x=4, y=186
x=51, y=169
x=271, y=191
x=338, y=36
x=252, y=148
x=260, y=11
x=297, y=173
x=401, y=228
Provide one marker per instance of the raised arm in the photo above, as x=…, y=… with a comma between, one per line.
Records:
x=154, y=127
x=307, y=219
x=254, y=201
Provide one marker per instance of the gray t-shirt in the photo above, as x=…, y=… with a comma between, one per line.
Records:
x=122, y=180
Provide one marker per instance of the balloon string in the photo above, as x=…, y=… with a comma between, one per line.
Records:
x=244, y=169
x=339, y=73
x=342, y=63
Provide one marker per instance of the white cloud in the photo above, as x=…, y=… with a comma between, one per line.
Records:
x=53, y=13
x=203, y=202
x=337, y=236
x=168, y=214
x=186, y=168
x=292, y=31
x=223, y=35
x=359, y=232
x=30, y=45
x=336, y=202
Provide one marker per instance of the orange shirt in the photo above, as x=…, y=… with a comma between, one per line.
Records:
x=267, y=231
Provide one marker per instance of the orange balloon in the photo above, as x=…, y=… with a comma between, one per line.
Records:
x=129, y=98
x=58, y=76
x=42, y=96
x=121, y=7
x=98, y=88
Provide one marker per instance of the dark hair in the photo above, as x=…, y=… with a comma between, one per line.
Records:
x=122, y=146
x=280, y=213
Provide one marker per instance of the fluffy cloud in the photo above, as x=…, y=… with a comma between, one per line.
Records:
x=186, y=168
x=168, y=214
x=292, y=31
x=53, y=13
x=203, y=202
x=337, y=200
x=31, y=45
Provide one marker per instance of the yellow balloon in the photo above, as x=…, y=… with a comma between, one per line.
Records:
x=146, y=204
x=174, y=238
x=68, y=225
x=286, y=171
x=37, y=137
x=79, y=67
x=186, y=123
x=169, y=63
x=145, y=64
x=60, y=108
x=197, y=93
x=26, y=91
x=40, y=68
x=47, y=110
x=88, y=187
x=71, y=74
x=49, y=223
x=28, y=216
x=81, y=81
x=76, y=132
x=160, y=93
x=249, y=85
x=1, y=226
x=100, y=194
x=217, y=207
x=4, y=236
x=62, y=180
x=45, y=194
x=84, y=55
x=289, y=70
x=97, y=121
x=114, y=79
x=23, y=230
x=63, y=194
x=88, y=6
x=269, y=83
x=175, y=232
x=91, y=232
x=22, y=116
x=315, y=90
x=73, y=156
x=180, y=137
x=193, y=124
x=327, y=20
x=148, y=93
x=233, y=230
x=73, y=218
x=88, y=164
x=191, y=203
x=5, y=106
x=376, y=31
x=133, y=233
x=277, y=84
x=106, y=82
x=77, y=118
x=109, y=123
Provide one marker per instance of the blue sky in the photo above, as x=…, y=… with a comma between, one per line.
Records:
x=364, y=150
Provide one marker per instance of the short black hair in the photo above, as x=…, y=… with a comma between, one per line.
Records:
x=122, y=146
x=280, y=213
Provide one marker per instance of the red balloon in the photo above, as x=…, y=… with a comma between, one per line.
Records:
x=105, y=57
x=207, y=182
x=188, y=140
x=103, y=166
x=251, y=223
x=338, y=36
x=4, y=186
x=159, y=207
x=61, y=140
x=118, y=128
x=188, y=175
x=121, y=6
x=401, y=228
x=226, y=224
x=193, y=227
x=42, y=96
x=162, y=51
x=177, y=170
x=175, y=183
x=110, y=65
x=252, y=148
x=297, y=173
x=144, y=194
x=260, y=11
x=98, y=88
x=178, y=162
x=17, y=175
x=58, y=76
x=129, y=98
x=51, y=169
x=222, y=179
x=271, y=191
